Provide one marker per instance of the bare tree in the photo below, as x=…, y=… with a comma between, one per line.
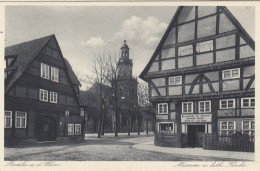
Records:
x=144, y=105
x=98, y=81
x=113, y=78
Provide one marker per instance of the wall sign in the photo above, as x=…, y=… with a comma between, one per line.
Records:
x=196, y=118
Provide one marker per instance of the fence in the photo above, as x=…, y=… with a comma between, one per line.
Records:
x=236, y=142
x=166, y=139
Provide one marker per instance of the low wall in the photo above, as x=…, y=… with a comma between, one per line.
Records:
x=167, y=139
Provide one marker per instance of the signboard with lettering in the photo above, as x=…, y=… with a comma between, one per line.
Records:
x=196, y=118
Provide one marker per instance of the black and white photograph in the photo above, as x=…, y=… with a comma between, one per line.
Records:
x=172, y=83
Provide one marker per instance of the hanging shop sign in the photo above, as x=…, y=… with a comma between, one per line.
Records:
x=196, y=118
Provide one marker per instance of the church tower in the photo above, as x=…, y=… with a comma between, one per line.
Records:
x=125, y=64
x=128, y=87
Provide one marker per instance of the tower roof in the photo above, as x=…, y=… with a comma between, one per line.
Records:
x=124, y=46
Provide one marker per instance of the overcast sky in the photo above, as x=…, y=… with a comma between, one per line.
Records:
x=85, y=32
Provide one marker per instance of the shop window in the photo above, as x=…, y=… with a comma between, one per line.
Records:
x=227, y=104
x=248, y=127
x=227, y=127
x=54, y=74
x=45, y=71
x=20, y=119
x=248, y=102
x=175, y=80
x=231, y=73
x=53, y=97
x=77, y=129
x=166, y=127
x=163, y=108
x=43, y=95
x=187, y=107
x=204, y=106
x=8, y=119
x=70, y=129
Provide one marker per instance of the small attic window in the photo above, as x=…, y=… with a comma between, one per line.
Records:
x=10, y=60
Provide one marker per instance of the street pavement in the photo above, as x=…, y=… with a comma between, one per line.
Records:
x=108, y=148
x=230, y=155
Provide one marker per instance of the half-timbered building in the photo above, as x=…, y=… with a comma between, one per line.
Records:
x=201, y=77
x=41, y=94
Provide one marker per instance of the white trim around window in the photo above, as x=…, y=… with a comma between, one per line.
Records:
x=248, y=102
x=165, y=126
x=227, y=104
x=43, y=95
x=70, y=129
x=187, y=107
x=45, y=71
x=53, y=97
x=176, y=80
x=231, y=73
x=77, y=129
x=248, y=127
x=162, y=108
x=20, y=119
x=205, y=106
x=54, y=74
x=8, y=119
x=227, y=127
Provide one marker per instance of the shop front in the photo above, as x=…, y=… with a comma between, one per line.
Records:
x=194, y=126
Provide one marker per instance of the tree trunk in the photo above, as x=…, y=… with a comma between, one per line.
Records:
x=147, y=122
x=138, y=121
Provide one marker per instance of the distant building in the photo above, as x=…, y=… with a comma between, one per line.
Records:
x=202, y=77
x=41, y=94
x=128, y=90
x=90, y=98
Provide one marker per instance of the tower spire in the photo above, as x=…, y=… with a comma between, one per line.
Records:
x=125, y=51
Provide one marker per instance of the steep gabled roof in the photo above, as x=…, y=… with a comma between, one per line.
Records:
x=25, y=52
x=72, y=75
x=234, y=21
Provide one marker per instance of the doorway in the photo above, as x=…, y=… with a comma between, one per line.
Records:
x=195, y=135
x=47, y=129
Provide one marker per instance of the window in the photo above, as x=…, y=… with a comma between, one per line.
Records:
x=248, y=102
x=227, y=104
x=227, y=127
x=77, y=129
x=163, y=108
x=8, y=119
x=166, y=127
x=54, y=74
x=175, y=80
x=81, y=111
x=187, y=107
x=43, y=95
x=248, y=127
x=45, y=71
x=70, y=129
x=231, y=73
x=53, y=97
x=204, y=106
x=20, y=119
